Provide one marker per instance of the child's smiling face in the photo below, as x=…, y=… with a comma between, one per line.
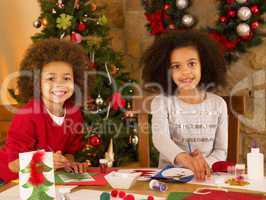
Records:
x=185, y=68
x=57, y=82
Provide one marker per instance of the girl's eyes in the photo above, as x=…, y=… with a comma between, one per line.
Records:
x=67, y=78
x=51, y=79
x=175, y=66
x=192, y=64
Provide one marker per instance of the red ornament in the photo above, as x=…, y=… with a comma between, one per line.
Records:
x=255, y=9
x=167, y=6
x=231, y=13
x=118, y=101
x=230, y=1
x=94, y=140
x=81, y=27
x=248, y=36
x=114, y=193
x=150, y=198
x=129, y=197
x=75, y=37
x=223, y=19
x=254, y=25
x=121, y=194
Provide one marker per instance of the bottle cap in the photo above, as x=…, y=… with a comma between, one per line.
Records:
x=255, y=150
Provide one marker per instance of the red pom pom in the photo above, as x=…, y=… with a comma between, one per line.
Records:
x=222, y=19
x=150, y=198
x=81, y=27
x=114, y=193
x=129, y=197
x=255, y=9
x=254, y=25
x=221, y=166
x=121, y=194
x=231, y=13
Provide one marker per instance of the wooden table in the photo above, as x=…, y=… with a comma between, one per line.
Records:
x=143, y=188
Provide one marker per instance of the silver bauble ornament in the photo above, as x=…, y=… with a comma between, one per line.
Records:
x=243, y=29
x=188, y=20
x=181, y=4
x=241, y=1
x=37, y=23
x=244, y=13
x=134, y=140
x=99, y=100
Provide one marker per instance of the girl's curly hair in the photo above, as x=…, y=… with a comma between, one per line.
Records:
x=156, y=59
x=49, y=50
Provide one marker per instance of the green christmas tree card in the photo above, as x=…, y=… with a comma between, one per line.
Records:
x=36, y=176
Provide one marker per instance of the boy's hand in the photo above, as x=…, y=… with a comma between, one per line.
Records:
x=79, y=167
x=59, y=160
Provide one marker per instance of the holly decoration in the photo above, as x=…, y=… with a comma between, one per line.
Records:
x=37, y=180
x=236, y=29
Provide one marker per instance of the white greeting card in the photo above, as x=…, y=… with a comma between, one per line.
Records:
x=36, y=176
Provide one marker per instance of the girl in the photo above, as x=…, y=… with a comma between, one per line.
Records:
x=189, y=124
x=51, y=81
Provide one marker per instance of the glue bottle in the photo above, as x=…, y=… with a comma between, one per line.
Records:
x=255, y=163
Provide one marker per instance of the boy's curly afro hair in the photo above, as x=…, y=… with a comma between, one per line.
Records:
x=43, y=52
x=156, y=59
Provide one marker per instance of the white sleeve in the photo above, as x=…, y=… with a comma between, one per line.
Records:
x=219, y=152
x=160, y=130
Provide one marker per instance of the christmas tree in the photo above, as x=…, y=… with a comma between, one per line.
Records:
x=107, y=114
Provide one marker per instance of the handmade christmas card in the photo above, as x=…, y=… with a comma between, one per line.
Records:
x=36, y=176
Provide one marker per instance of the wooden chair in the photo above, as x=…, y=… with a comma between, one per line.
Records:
x=141, y=106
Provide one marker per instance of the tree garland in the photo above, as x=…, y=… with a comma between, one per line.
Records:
x=236, y=29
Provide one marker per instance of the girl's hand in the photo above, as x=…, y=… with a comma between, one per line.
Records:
x=197, y=155
x=195, y=163
x=59, y=160
x=79, y=167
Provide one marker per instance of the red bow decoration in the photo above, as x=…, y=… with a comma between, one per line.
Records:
x=156, y=21
x=118, y=101
x=226, y=43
